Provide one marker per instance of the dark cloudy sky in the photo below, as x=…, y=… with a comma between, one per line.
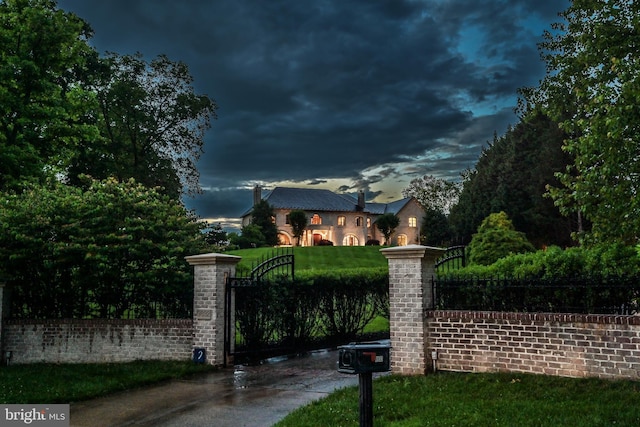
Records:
x=340, y=94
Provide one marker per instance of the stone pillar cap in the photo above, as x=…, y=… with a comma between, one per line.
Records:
x=212, y=258
x=411, y=251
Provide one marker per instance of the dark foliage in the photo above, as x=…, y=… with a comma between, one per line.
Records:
x=332, y=306
x=512, y=175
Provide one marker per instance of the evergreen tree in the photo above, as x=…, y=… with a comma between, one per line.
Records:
x=497, y=238
x=512, y=175
x=435, y=229
x=263, y=217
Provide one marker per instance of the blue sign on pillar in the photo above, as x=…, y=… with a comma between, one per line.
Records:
x=199, y=355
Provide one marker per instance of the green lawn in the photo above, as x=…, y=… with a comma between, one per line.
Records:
x=49, y=383
x=319, y=257
x=455, y=399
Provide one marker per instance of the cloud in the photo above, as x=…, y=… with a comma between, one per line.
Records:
x=344, y=94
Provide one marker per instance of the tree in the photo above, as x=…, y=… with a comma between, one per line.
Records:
x=387, y=224
x=434, y=193
x=109, y=250
x=250, y=237
x=435, y=229
x=437, y=196
x=43, y=56
x=591, y=89
x=497, y=238
x=298, y=221
x=151, y=121
x=263, y=217
x=512, y=175
x=216, y=236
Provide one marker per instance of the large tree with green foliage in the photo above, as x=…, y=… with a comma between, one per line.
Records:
x=591, y=88
x=43, y=103
x=512, y=175
x=151, y=121
x=110, y=250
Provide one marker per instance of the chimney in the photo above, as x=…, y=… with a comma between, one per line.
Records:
x=360, y=205
x=257, y=194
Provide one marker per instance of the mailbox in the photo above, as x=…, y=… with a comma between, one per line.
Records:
x=360, y=358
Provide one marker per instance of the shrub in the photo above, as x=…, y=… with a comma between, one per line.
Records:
x=350, y=299
x=336, y=304
x=111, y=250
x=602, y=260
x=496, y=238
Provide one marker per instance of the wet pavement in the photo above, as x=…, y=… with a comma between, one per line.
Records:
x=249, y=396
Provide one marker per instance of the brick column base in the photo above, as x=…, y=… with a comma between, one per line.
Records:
x=410, y=295
x=210, y=274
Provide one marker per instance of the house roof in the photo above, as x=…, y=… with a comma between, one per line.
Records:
x=307, y=199
x=312, y=199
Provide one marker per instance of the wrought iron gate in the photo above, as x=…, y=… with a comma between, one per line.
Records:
x=453, y=259
x=251, y=329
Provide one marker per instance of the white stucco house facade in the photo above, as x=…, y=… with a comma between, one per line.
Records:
x=338, y=218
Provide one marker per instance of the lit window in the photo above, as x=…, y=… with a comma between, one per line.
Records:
x=316, y=219
x=342, y=221
x=368, y=222
x=350, y=240
x=413, y=221
x=402, y=240
x=359, y=221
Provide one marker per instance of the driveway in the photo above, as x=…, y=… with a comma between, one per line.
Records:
x=241, y=396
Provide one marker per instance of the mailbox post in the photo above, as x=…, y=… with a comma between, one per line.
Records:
x=364, y=359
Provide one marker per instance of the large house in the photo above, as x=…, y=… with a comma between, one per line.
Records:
x=339, y=218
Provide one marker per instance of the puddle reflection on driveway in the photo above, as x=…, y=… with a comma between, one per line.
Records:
x=250, y=396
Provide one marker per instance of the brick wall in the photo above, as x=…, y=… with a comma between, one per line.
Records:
x=569, y=345
x=98, y=340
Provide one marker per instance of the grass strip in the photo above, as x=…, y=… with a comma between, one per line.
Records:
x=319, y=257
x=66, y=383
x=456, y=399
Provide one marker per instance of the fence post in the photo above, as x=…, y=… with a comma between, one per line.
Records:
x=410, y=295
x=210, y=273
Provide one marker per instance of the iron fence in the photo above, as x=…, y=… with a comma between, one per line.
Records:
x=585, y=295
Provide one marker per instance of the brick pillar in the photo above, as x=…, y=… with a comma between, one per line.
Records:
x=410, y=295
x=210, y=273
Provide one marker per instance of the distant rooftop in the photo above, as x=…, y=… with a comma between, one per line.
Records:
x=312, y=199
